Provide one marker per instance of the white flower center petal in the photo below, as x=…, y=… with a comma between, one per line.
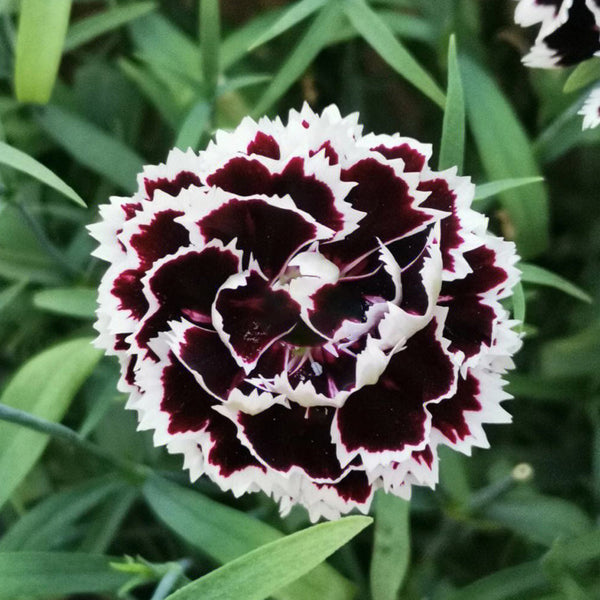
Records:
x=306, y=273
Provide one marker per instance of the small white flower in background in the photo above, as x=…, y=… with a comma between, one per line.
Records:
x=308, y=311
x=591, y=110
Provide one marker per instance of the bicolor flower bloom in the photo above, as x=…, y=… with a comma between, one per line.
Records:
x=308, y=311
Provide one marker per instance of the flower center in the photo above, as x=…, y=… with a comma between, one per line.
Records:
x=306, y=273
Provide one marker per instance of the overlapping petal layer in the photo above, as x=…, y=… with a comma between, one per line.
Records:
x=307, y=311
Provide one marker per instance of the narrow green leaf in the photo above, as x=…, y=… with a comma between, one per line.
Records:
x=515, y=582
x=34, y=267
x=44, y=387
x=40, y=39
x=315, y=38
x=575, y=551
x=74, y=302
x=52, y=574
x=379, y=36
x=92, y=147
x=584, y=73
x=505, y=152
x=194, y=125
x=487, y=190
x=537, y=387
x=9, y=294
x=291, y=16
x=262, y=572
x=539, y=276
x=391, y=547
x=519, y=304
x=452, y=148
x=225, y=534
x=453, y=476
x=89, y=28
x=210, y=33
x=23, y=162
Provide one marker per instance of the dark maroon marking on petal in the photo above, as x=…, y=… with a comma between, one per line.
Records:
x=271, y=362
x=424, y=456
x=162, y=236
x=120, y=343
x=469, y=324
x=406, y=250
x=414, y=161
x=228, y=453
x=188, y=404
x=181, y=181
x=254, y=315
x=441, y=197
x=354, y=487
x=388, y=206
x=242, y=176
x=130, y=209
x=130, y=370
x=390, y=414
x=330, y=153
x=265, y=145
x=414, y=295
x=449, y=415
x=297, y=436
x=128, y=288
x=305, y=124
x=271, y=234
x=204, y=352
x=186, y=286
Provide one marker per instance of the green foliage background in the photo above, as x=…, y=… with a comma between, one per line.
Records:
x=92, y=90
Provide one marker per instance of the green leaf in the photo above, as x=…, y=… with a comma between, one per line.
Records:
x=9, y=294
x=505, y=152
x=42, y=29
x=44, y=387
x=315, y=38
x=487, y=190
x=515, y=582
x=584, y=73
x=291, y=16
x=225, y=534
x=89, y=28
x=50, y=574
x=379, y=36
x=452, y=148
x=576, y=551
x=519, y=304
x=539, y=276
x=74, y=302
x=92, y=147
x=210, y=33
x=33, y=267
x=194, y=125
x=260, y=573
x=23, y=162
x=391, y=547
x=453, y=476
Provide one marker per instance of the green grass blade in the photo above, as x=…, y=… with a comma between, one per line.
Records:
x=259, y=574
x=74, y=302
x=40, y=39
x=391, y=547
x=293, y=15
x=9, y=294
x=452, y=147
x=210, y=28
x=92, y=147
x=519, y=304
x=52, y=574
x=225, y=534
x=585, y=73
x=194, y=125
x=23, y=162
x=487, y=190
x=44, y=387
x=539, y=276
x=315, y=38
x=379, y=36
x=89, y=28
x=506, y=152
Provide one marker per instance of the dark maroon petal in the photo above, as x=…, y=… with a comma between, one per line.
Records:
x=185, y=287
x=120, y=343
x=294, y=437
x=441, y=197
x=414, y=161
x=130, y=209
x=129, y=374
x=162, y=236
x=415, y=300
x=271, y=234
x=330, y=153
x=354, y=487
x=448, y=416
x=242, y=176
x=203, y=352
x=254, y=316
x=181, y=181
x=128, y=288
x=391, y=414
x=265, y=145
x=389, y=206
x=424, y=456
x=189, y=406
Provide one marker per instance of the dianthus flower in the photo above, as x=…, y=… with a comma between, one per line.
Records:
x=308, y=311
x=569, y=33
